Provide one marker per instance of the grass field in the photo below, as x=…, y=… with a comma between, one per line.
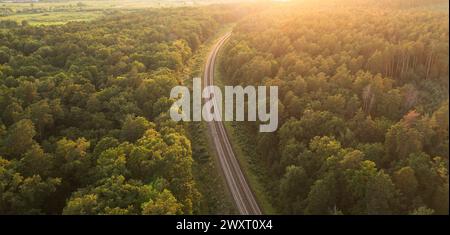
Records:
x=53, y=18
x=51, y=13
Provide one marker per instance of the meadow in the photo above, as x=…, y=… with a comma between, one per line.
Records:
x=61, y=12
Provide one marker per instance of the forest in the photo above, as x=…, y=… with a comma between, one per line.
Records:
x=84, y=127
x=363, y=96
x=363, y=109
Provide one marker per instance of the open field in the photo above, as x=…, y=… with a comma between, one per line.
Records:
x=51, y=13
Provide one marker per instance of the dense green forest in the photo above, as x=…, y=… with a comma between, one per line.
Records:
x=363, y=94
x=363, y=108
x=84, y=126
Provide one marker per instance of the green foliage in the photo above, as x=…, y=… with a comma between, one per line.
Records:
x=19, y=138
x=23, y=195
x=84, y=127
x=164, y=204
x=114, y=193
x=363, y=97
x=134, y=127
